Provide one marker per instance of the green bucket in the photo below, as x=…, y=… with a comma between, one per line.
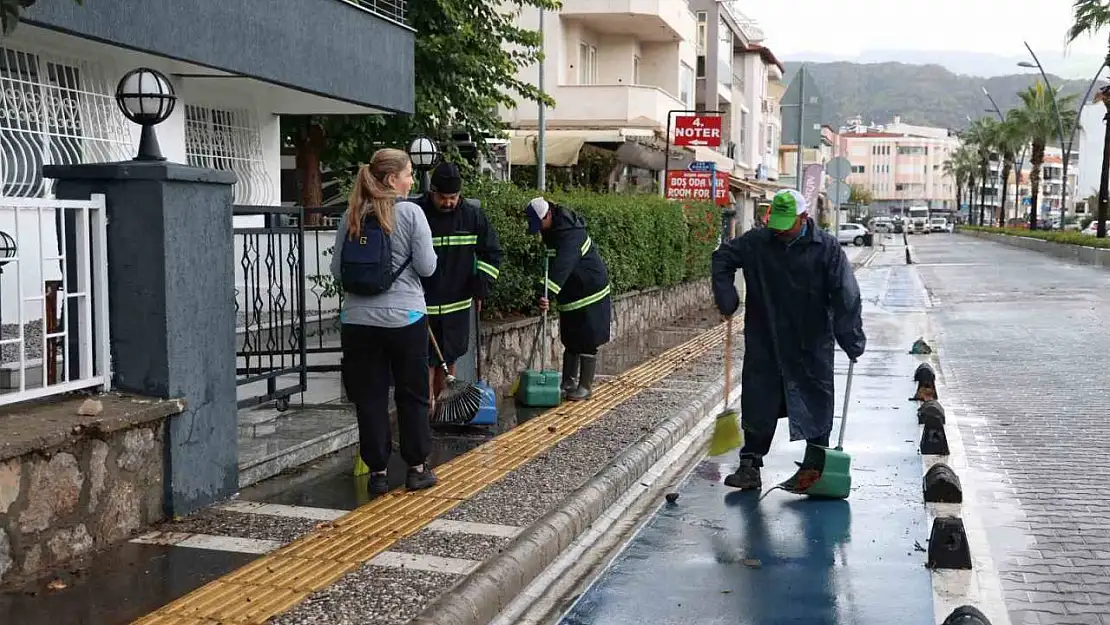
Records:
x=834, y=476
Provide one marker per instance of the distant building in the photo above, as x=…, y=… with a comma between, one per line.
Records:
x=902, y=165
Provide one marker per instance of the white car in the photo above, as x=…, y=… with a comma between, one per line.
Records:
x=938, y=224
x=1092, y=228
x=851, y=233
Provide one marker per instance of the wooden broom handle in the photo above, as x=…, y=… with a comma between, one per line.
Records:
x=728, y=359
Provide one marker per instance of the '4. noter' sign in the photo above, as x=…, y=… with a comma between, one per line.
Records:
x=703, y=130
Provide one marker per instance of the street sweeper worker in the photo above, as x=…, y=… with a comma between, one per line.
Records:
x=578, y=280
x=469, y=261
x=802, y=300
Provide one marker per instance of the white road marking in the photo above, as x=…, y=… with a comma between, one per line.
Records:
x=466, y=527
x=209, y=542
x=421, y=562
x=280, y=510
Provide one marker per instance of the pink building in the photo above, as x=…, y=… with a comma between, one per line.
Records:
x=902, y=165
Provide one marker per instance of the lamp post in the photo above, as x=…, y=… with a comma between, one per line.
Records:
x=1001, y=118
x=1066, y=148
x=146, y=97
x=425, y=155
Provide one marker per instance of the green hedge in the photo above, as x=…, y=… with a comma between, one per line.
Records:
x=1069, y=237
x=645, y=240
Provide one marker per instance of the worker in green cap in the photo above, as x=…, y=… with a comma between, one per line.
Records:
x=802, y=300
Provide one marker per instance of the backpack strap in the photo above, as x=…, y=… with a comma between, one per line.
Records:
x=403, y=267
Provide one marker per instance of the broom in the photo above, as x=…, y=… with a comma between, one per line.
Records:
x=726, y=431
x=459, y=401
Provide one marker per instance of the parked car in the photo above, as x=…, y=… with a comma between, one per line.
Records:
x=851, y=233
x=938, y=224
x=1091, y=229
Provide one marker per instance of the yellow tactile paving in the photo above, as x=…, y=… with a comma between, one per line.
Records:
x=276, y=582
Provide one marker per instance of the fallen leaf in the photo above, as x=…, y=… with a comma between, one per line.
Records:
x=752, y=563
x=57, y=584
x=917, y=546
x=672, y=497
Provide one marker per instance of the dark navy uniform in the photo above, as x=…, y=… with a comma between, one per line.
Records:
x=578, y=286
x=469, y=261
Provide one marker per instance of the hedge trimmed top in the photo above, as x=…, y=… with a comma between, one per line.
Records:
x=646, y=241
x=1068, y=237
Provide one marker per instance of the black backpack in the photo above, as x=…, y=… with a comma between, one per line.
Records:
x=367, y=262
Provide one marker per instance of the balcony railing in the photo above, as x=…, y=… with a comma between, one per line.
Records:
x=393, y=10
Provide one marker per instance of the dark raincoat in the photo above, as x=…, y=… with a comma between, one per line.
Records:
x=578, y=281
x=802, y=298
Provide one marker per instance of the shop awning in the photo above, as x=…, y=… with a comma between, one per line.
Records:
x=559, y=151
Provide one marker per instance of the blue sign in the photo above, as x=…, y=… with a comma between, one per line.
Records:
x=704, y=167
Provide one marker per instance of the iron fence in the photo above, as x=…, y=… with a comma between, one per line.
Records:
x=271, y=356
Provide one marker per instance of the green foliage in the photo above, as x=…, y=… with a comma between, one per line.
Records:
x=646, y=241
x=1091, y=16
x=921, y=94
x=10, y=10
x=861, y=195
x=1069, y=237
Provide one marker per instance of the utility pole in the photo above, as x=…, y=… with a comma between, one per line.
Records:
x=801, y=122
x=541, y=148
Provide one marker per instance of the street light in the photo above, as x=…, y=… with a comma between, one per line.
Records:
x=1002, y=118
x=425, y=155
x=1064, y=147
x=146, y=97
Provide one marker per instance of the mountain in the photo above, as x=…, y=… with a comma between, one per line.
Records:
x=1073, y=65
x=929, y=95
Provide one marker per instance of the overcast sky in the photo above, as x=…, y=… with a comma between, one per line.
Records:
x=846, y=27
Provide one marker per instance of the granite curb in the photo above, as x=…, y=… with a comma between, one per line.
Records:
x=479, y=597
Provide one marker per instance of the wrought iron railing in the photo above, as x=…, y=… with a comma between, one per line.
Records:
x=53, y=297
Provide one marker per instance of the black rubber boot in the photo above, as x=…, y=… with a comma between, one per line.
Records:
x=569, y=380
x=419, y=480
x=378, y=484
x=588, y=365
x=746, y=476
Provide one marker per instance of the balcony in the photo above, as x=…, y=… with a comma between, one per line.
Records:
x=646, y=20
x=604, y=106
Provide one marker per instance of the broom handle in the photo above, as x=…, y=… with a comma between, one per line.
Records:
x=844, y=412
x=435, y=344
x=728, y=359
x=477, y=345
x=546, y=345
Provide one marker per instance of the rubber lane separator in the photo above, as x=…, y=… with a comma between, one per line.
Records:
x=280, y=580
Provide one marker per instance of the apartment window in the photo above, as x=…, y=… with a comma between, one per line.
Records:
x=635, y=70
x=724, y=55
x=686, y=86
x=703, y=23
x=770, y=139
x=857, y=169
x=910, y=150
x=743, y=129
x=587, y=64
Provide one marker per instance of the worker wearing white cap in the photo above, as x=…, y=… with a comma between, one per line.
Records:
x=579, y=281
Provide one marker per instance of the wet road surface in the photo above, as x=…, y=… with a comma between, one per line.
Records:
x=721, y=556
x=130, y=580
x=1023, y=341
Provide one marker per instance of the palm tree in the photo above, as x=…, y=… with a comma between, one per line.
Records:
x=980, y=138
x=1037, y=120
x=1010, y=137
x=1092, y=16
x=960, y=166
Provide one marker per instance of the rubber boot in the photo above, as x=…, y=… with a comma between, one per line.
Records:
x=588, y=366
x=746, y=477
x=569, y=381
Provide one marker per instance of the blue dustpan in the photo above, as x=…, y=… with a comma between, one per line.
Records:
x=487, y=409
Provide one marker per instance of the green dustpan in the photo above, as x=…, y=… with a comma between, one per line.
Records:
x=834, y=479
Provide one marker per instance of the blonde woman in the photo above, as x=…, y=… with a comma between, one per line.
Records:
x=383, y=247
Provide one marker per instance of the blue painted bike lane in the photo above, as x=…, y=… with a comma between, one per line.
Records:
x=721, y=556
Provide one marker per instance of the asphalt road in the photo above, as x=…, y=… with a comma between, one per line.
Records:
x=1024, y=346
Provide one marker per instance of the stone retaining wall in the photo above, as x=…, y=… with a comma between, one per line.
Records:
x=507, y=347
x=71, y=484
x=1075, y=253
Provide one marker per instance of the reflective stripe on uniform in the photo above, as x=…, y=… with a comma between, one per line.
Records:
x=455, y=239
x=586, y=245
x=488, y=269
x=552, y=287
x=447, y=309
x=585, y=301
